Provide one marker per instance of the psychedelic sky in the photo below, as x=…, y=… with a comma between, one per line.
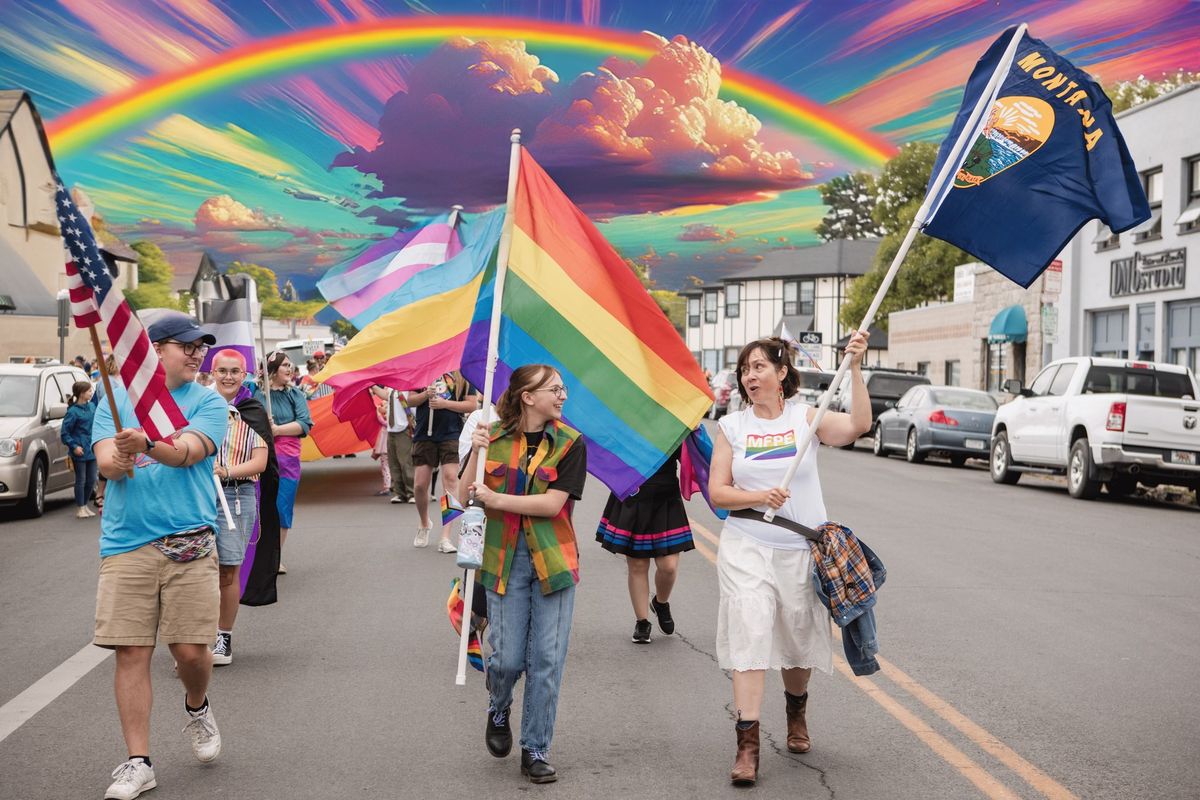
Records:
x=290, y=132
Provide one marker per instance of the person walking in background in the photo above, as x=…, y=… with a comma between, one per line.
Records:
x=398, y=424
x=769, y=615
x=651, y=524
x=531, y=556
x=379, y=449
x=76, y=434
x=158, y=568
x=241, y=458
x=435, y=446
x=291, y=422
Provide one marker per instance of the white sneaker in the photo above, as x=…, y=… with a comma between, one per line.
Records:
x=82, y=513
x=412, y=500
x=131, y=779
x=422, y=537
x=444, y=546
x=202, y=730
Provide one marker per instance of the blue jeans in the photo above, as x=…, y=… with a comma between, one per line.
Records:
x=529, y=633
x=85, y=479
x=243, y=507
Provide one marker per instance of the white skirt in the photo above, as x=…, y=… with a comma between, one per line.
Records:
x=770, y=616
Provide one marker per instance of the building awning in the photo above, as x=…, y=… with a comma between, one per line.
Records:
x=1009, y=326
x=1149, y=228
x=794, y=324
x=1190, y=214
x=1103, y=235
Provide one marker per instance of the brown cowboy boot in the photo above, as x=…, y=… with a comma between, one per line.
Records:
x=745, y=767
x=797, y=725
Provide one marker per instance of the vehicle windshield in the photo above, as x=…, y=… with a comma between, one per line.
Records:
x=18, y=395
x=894, y=386
x=965, y=399
x=815, y=380
x=1129, y=380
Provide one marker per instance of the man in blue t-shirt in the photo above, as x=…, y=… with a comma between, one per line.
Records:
x=158, y=569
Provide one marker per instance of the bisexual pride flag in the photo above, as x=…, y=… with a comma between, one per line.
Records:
x=1044, y=158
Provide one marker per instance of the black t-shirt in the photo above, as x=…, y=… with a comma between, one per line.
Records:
x=447, y=425
x=572, y=469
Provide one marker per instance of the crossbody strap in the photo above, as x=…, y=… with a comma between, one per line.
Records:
x=794, y=527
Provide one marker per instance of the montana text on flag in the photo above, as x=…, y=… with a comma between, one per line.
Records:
x=141, y=371
x=572, y=302
x=451, y=508
x=364, y=290
x=334, y=436
x=1048, y=158
x=424, y=337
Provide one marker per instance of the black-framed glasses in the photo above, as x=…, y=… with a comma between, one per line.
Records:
x=190, y=348
x=559, y=391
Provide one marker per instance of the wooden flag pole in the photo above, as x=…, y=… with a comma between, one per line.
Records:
x=108, y=392
x=933, y=197
x=485, y=421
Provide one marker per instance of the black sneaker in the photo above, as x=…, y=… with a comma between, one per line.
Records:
x=222, y=652
x=641, y=632
x=498, y=734
x=663, y=612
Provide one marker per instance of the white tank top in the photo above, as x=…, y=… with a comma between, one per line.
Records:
x=762, y=451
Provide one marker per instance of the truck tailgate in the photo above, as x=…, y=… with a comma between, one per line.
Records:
x=1163, y=422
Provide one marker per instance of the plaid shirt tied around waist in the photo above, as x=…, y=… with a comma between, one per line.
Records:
x=551, y=541
x=844, y=572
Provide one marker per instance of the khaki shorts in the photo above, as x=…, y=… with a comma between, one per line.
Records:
x=143, y=596
x=433, y=454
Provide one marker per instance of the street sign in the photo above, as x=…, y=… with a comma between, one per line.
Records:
x=1049, y=324
x=312, y=345
x=810, y=337
x=1052, y=280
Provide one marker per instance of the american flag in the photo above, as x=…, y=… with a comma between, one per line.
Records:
x=95, y=299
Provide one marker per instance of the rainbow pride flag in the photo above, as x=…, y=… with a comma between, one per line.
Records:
x=366, y=287
x=331, y=436
x=424, y=337
x=451, y=508
x=570, y=300
x=454, y=607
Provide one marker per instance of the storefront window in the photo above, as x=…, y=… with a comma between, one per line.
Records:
x=1110, y=333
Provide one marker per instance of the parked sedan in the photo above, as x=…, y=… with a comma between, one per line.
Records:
x=943, y=420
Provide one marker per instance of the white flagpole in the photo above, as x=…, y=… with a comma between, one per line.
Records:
x=514, y=161
x=950, y=166
x=224, y=503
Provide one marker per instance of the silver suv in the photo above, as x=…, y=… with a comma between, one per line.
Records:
x=33, y=459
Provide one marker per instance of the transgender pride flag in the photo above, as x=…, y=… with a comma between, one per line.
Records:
x=362, y=289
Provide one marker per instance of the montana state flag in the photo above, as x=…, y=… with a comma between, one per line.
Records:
x=1047, y=158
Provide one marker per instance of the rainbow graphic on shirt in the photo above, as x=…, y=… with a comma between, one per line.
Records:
x=770, y=446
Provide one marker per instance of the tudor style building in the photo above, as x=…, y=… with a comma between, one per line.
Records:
x=800, y=290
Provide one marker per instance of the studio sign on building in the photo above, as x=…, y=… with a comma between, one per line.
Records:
x=1153, y=272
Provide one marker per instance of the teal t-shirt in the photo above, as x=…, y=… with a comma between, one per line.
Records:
x=159, y=500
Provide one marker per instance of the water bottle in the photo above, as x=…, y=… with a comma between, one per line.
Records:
x=470, y=536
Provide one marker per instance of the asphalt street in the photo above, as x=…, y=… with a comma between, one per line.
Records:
x=1033, y=646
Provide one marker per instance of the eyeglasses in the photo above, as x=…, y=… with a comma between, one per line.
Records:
x=229, y=373
x=189, y=348
x=559, y=391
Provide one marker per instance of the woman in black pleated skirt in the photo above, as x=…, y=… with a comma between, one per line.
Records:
x=650, y=525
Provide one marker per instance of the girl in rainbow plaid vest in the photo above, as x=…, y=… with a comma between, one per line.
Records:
x=535, y=467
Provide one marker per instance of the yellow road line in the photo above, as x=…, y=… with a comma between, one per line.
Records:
x=987, y=742
x=973, y=772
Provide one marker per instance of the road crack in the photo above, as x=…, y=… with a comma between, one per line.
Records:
x=767, y=737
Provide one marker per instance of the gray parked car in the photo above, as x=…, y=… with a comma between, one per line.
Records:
x=946, y=420
x=33, y=460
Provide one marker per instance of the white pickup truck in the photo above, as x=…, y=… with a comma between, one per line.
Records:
x=1102, y=421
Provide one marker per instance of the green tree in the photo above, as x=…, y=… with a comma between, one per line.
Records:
x=1127, y=94
x=928, y=271
x=341, y=327
x=851, y=199
x=273, y=305
x=155, y=275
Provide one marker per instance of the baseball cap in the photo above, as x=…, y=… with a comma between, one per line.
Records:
x=178, y=326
